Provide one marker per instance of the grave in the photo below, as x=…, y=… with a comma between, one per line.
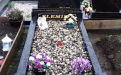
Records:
x=54, y=10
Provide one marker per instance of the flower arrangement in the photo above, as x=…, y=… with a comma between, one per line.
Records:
x=39, y=61
x=70, y=19
x=85, y=4
x=14, y=14
x=80, y=66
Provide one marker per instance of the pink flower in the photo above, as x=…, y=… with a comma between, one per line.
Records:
x=34, y=55
x=14, y=9
x=11, y=10
x=15, y=12
x=29, y=63
x=36, y=61
x=69, y=22
x=42, y=54
x=45, y=60
x=64, y=19
x=38, y=67
x=49, y=60
x=72, y=16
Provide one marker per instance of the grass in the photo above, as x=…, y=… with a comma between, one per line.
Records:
x=28, y=16
x=97, y=39
x=10, y=34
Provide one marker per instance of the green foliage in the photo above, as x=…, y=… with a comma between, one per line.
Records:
x=28, y=16
x=97, y=39
x=10, y=5
x=10, y=34
x=14, y=14
x=18, y=52
x=25, y=31
x=109, y=37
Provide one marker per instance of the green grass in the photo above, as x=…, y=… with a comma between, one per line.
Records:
x=28, y=16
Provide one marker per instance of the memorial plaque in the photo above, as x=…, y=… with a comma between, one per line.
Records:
x=56, y=9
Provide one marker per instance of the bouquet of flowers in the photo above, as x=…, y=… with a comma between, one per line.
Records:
x=40, y=61
x=80, y=66
x=14, y=14
x=85, y=4
x=70, y=19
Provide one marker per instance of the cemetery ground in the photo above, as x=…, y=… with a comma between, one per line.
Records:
x=107, y=46
x=5, y=28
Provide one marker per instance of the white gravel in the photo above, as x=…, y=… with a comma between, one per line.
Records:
x=25, y=6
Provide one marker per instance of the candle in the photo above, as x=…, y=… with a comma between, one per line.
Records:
x=59, y=43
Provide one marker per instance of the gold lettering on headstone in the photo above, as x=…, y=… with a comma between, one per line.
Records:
x=61, y=16
x=43, y=15
x=48, y=16
x=52, y=16
x=57, y=16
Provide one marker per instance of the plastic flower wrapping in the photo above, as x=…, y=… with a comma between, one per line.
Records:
x=39, y=61
x=70, y=19
x=14, y=14
x=80, y=66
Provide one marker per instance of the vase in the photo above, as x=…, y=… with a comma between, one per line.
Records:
x=70, y=25
x=39, y=73
x=16, y=23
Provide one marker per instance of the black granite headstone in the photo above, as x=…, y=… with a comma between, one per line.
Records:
x=58, y=3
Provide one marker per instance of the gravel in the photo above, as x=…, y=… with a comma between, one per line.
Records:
x=45, y=41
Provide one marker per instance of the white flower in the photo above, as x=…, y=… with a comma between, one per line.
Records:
x=87, y=10
x=71, y=20
x=38, y=56
x=42, y=63
x=31, y=58
x=48, y=57
x=48, y=63
x=30, y=68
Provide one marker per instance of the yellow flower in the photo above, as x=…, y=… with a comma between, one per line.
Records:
x=90, y=9
x=83, y=5
x=87, y=10
x=70, y=14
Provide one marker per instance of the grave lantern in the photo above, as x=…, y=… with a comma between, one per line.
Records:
x=6, y=41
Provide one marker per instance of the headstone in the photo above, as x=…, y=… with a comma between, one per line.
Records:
x=58, y=3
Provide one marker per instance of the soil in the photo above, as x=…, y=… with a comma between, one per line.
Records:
x=107, y=49
x=5, y=28
x=13, y=67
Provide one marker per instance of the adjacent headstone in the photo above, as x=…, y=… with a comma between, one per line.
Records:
x=58, y=3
